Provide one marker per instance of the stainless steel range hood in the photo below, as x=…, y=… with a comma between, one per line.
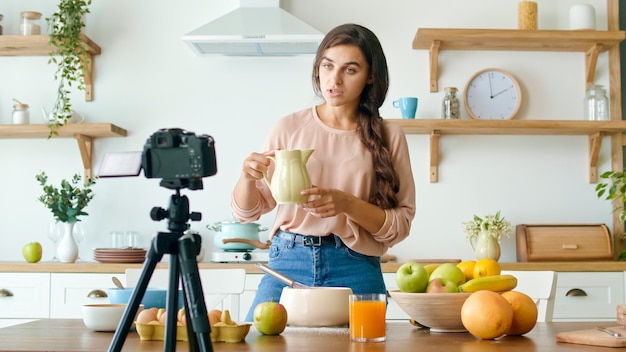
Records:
x=256, y=28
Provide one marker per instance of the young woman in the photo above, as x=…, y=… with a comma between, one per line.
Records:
x=363, y=197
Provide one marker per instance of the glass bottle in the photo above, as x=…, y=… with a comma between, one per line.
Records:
x=596, y=104
x=31, y=23
x=20, y=115
x=450, y=104
x=1, y=24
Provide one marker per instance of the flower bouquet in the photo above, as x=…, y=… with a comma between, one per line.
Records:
x=494, y=225
x=68, y=201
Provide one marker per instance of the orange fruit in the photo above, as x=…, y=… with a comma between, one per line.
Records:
x=524, y=312
x=467, y=267
x=486, y=314
x=486, y=267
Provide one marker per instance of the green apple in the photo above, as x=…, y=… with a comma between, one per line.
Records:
x=412, y=277
x=430, y=268
x=441, y=286
x=32, y=252
x=450, y=272
x=270, y=318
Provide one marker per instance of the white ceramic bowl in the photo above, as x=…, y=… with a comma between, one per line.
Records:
x=441, y=312
x=104, y=317
x=317, y=306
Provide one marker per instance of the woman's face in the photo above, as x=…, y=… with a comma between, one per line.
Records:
x=343, y=73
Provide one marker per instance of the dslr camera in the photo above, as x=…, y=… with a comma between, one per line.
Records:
x=180, y=158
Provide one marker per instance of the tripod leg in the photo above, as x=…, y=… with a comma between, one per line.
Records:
x=189, y=246
x=152, y=258
x=172, y=303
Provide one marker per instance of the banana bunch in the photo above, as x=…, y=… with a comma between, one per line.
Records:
x=496, y=283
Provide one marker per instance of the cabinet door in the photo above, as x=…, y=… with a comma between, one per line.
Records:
x=70, y=291
x=24, y=295
x=588, y=296
x=394, y=312
x=246, y=298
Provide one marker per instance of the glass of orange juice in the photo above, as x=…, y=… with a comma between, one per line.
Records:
x=367, y=317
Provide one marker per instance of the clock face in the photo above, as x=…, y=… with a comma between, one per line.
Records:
x=492, y=94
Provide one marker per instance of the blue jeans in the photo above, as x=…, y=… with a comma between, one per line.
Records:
x=326, y=265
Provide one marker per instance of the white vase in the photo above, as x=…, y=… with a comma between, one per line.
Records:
x=67, y=251
x=486, y=246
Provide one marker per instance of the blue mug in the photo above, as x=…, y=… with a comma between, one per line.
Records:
x=407, y=106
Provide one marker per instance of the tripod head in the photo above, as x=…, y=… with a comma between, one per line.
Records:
x=177, y=214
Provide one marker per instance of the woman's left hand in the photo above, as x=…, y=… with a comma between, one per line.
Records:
x=324, y=202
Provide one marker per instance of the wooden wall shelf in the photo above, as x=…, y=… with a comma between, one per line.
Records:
x=39, y=45
x=84, y=133
x=595, y=130
x=592, y=43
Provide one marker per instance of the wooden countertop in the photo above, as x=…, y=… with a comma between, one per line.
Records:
x=69, y=335
x=93, y=267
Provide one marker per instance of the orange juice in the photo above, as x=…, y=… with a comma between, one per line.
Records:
x=367, y=319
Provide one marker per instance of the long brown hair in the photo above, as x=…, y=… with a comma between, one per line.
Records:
x=370, y=125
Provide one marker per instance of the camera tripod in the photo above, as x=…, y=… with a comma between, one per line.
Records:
x=183, y=249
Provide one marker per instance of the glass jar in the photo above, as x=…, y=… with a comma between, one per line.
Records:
x=20, y=115
x=31, y=23
x=450, y=104
x=596, y=104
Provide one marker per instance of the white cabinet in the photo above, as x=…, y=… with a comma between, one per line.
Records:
x=588, y=296
x=69, y=291
x=394, y=312
x=24, y=295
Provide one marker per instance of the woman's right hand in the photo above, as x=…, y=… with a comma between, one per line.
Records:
x=256, y=165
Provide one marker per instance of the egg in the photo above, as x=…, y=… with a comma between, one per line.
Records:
x=147, y=315
x=215, y=316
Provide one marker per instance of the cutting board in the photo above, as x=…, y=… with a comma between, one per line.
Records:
x=594, y=337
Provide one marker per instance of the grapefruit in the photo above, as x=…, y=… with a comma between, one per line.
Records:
x=524, y=312
x=486, y=314
x=486, y=267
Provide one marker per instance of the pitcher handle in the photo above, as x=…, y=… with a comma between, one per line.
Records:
x=471, y=241
x=267, y=180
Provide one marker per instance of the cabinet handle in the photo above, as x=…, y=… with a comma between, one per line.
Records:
x=576, y=292
x=97, y=294
x=5, y=293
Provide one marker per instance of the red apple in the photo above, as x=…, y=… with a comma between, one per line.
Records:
x=412, y=277
x=270, y=318
x=441, y=286
x=450, y=272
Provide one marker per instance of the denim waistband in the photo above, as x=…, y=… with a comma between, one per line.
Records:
x=310, y=241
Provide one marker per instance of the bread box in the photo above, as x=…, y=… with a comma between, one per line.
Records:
x=589, y=242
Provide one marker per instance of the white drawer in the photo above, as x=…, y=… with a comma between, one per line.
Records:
x=25, y=295
x=598, y=295
x=70, y=291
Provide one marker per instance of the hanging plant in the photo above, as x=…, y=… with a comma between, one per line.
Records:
x=70, y=55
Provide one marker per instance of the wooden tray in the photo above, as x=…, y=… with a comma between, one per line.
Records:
x=594, y=337
x=587, y=242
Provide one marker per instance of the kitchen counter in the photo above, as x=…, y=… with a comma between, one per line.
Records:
x=71, y=335
x=93, y=267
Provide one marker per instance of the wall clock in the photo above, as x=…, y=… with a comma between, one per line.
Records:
x=492, y=94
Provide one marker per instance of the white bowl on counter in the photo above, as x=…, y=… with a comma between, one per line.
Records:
x=317, y=306
x=104, y=316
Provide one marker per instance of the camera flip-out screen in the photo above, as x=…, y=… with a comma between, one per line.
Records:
x=120, y=164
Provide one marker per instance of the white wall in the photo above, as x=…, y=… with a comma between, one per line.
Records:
x=146, y=78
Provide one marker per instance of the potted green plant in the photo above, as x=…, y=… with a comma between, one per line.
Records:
x=615, y=189
x=69, y=54
x=487, y=233
x=67, y=204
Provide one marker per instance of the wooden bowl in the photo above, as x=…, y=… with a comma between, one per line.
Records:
x=441, y=312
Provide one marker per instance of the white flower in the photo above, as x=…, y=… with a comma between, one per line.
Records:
x=492, y=224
